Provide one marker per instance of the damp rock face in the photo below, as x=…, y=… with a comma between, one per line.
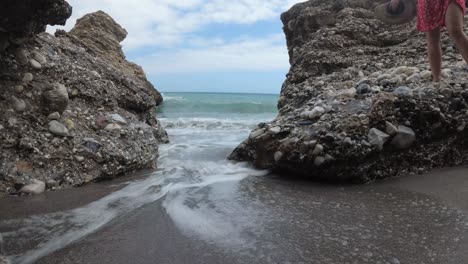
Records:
x=361, y=90
x=53, y=89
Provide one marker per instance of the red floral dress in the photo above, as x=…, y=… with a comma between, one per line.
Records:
x=431, y=13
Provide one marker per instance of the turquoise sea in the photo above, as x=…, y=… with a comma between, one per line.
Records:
x=218, y=105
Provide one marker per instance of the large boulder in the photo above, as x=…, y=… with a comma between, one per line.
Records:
x=58, y=96
x=108, y=47
x=361, y=90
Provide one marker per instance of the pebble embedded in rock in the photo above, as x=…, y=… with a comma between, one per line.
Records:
x=426, y=75
x=275, y=130
x=58, y=129
x=348, y=93
x=113, y=127
x=92, y=145
x=69, y=124
x=79, y=158
x=55, y=99
x=75, y=93
x=54, y=116
x=22, y=56
x=95, y=74
x=37, y=187
x=39, y=58
x=363, y=88
x=348, y=141
x=316, y=112
x=404, y=138
x=446, y=73
x=329, y=158
x=19, y=88
x=317, y=150
x=413, y=78
x=18, y=104
x=28, y=77
x=278, y=155
x=390, y=128
x=383, y=77
x=35, y=64
x=403, y=91
x=319, y=161
x=377, y=138
x=118, y=118
x=257, y=133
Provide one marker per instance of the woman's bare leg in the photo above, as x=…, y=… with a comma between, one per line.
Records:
x=454, y=21
x=435, y=53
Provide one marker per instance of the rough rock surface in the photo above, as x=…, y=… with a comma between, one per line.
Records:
x=21, y=19
x=53, y=117
x=355, y=79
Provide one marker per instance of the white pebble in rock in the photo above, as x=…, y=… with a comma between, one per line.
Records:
x=39, y=58
x=54, y=116
x=28, y=77
x=426, y=75
x=1, y=127
x=377, y=138
x=35, y=64
x=79, y=158
x=316, y=112
x=58, y=129
x=113, y=127
x=404, y=138
x=37, y=187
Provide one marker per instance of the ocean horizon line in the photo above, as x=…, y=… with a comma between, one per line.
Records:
x=162, y=92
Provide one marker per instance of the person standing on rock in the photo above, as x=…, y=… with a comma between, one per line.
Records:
x=433, y=15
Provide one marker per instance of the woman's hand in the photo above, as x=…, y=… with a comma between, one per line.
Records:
x=394, y=4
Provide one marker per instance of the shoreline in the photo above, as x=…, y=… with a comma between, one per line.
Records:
x=149, y=234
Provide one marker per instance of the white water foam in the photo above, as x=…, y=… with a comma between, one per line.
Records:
x=193, y=161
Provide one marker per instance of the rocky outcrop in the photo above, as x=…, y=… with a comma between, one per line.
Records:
x=21, y=19
x=72, y=108
x=358, y=103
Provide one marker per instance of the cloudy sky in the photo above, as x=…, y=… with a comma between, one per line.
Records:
x=202, y=45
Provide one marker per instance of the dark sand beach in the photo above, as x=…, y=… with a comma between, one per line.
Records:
x=417, y=219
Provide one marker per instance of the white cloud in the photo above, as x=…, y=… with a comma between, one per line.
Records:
x=166, y=22
x=171, y=26
x=262, y=54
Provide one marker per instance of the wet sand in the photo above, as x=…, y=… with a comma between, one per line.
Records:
x=417, y=219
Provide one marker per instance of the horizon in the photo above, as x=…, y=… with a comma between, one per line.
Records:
x=189, y=44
